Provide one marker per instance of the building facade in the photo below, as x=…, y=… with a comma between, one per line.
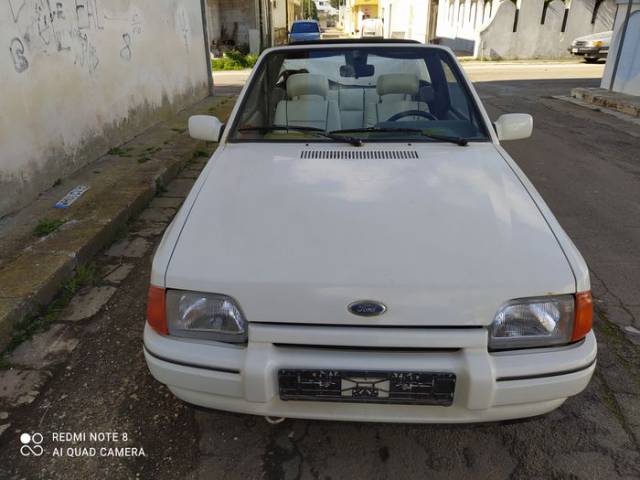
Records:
x=354, y=11
x=406, y=19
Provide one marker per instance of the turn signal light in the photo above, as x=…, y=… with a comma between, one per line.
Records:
x=584, y=316
x=156, y=310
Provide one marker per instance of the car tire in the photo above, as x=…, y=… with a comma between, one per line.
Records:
x=591, y=60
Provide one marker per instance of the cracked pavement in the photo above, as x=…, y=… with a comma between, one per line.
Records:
x=586, y=166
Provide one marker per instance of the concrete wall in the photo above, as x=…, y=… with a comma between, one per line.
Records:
x=408, y=19
x=459, y=22
x=232, y=20
x=79, y=76
x=279, y=20
x=485, y=28
x=627, y=79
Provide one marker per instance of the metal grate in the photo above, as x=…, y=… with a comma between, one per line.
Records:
x=359, y=154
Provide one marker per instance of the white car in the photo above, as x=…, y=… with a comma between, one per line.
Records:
x=367, y=251
x=592, y=47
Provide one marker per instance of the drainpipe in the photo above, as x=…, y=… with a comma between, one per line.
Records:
x=286, y=16
x=619, y=52
x=260, y=12
x=205, y=32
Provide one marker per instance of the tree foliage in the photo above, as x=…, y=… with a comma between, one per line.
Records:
x=309, y=9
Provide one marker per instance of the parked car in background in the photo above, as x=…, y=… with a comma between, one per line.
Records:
x=360, y=247
x=371, y=27
x=305, y=31
x=592, y=47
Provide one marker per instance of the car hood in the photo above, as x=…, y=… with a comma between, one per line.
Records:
x=604, y=36
x=442, y=235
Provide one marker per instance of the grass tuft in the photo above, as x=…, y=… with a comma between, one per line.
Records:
x=234, y=60
x=85, y=275
x=46, y=226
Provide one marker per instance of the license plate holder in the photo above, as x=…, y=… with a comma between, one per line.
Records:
x=349, y=386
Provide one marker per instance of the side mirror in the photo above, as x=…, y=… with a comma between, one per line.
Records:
x=514, y=126
x=205, y=127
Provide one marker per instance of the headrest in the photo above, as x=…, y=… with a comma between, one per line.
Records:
x=307, y=84
x=427, y=94
x=397, y=83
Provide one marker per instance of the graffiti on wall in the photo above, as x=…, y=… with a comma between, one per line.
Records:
x=46, y=27
x=70, y=28
x=20, y=63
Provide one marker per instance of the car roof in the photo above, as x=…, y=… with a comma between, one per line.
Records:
x=305, y=21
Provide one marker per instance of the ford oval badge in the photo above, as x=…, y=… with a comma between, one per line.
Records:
x=367, y=308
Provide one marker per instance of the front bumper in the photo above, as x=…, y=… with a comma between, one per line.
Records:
x=591, y=52
x=490, y=387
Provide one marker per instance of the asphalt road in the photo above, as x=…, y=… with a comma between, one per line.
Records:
x=585, y=163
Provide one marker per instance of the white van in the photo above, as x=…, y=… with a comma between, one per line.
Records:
x=371, y=27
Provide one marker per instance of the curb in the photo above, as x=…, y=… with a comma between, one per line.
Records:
x=627, y=104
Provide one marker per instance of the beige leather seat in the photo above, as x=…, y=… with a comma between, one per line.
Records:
x=396, y=92
x=307, y=104
x=351, y=103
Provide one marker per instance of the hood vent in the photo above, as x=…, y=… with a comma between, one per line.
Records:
x=359, y=154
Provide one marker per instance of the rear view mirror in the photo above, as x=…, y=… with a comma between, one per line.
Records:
x=205, y=127
x=514, y=126
x=357, y=71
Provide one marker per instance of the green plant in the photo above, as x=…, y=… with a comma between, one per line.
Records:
x=46, y=226
x=200, y=153
x=160, y=188
x=119, y=151
x=234, y=60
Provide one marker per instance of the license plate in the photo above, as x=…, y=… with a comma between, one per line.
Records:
x=403, y=388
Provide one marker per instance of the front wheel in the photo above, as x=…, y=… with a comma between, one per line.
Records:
x=591, y=60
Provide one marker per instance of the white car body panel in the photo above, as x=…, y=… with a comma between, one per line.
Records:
x=443, y=240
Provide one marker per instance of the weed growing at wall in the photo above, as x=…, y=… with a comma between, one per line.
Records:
x=234, y=60
x=46, y=226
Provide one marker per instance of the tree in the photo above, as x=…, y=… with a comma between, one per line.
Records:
x=336, y=3
x=309, y=9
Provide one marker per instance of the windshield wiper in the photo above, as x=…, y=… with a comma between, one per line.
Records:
x=356, y=142
x=462, y=141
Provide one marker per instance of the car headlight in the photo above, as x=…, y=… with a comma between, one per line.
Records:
x=533, y=322
x=204, y=315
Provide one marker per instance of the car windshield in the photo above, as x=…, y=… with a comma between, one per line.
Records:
x=358, y=94
x=305, y=27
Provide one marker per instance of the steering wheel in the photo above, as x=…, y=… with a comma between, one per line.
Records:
x=411, y=113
